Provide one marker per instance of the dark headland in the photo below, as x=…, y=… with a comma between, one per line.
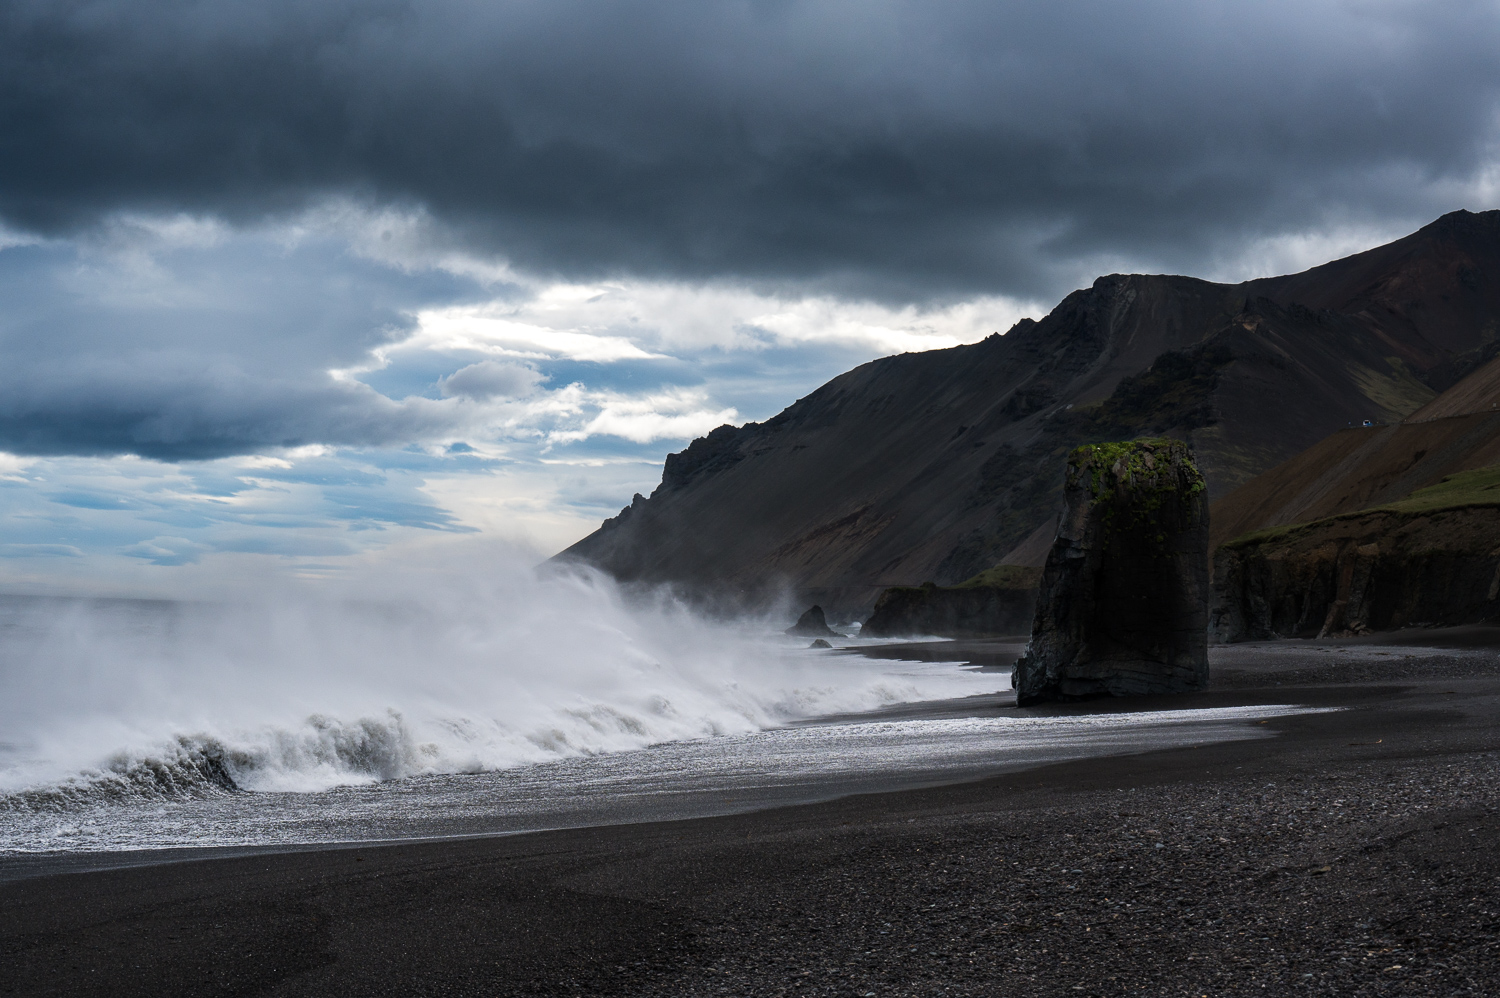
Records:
x=937, y=466
x=1351, y=853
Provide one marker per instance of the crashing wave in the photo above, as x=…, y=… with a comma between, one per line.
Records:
x=325, y=751
x=141, y=702
x=191, y=768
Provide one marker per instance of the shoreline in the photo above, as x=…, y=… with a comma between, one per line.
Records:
x=1337, y=849
x=704, y=798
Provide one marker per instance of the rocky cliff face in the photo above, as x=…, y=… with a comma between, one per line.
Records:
x=1432, y=558
x=999, y=602
x=1124, y=598
x=936, y=465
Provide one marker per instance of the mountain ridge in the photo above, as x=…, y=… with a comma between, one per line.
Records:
x=936, y=465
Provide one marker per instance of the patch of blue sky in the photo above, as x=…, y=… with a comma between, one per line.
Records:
x=39, y=551
x=376, y=509
x=94, y=530
x=286, y=547
x=149, y=514
x=92, y=500
x=459, y=457
x=281, y=521
x=167, y=552
x=414, y=375
x=323, y=471
x=185, y=519
x=624, y=375
x=211, y=480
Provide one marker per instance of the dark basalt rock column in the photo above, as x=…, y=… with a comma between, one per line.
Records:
x=1124, y=602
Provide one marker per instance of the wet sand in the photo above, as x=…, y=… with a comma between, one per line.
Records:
x=1354, y=853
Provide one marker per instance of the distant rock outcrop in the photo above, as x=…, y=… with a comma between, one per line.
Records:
x=1431, y=558
x=998, y=602
x=1124, y=599
x=813, y=624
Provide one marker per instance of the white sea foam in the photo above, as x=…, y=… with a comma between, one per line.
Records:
x=114, y=700
x=691, y=778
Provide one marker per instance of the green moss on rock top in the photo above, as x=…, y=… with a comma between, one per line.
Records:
x=1137, y=463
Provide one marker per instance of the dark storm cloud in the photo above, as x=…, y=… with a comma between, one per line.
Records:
x=183, y=354
x=185, y=415
x=906, y=149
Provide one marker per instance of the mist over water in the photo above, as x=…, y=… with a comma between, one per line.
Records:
x=422, y=703
x=302, y=689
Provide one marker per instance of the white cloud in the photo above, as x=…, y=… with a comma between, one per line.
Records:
x=869, y=326
x=640, y=320
x=10, y=238
x=489, y=379
x=12, y=466
x=409, y=240
x=486, y=329
x=167, y=551
x=520, y=504
x=1290, y=254
x=677, y=317
x=133, y=231
x=675, y=414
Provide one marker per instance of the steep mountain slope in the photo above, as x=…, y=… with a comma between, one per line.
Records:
x=1479, y=392
x=1355, y=469
x=935, y=466
x=1432, y=296
x=1358, y=468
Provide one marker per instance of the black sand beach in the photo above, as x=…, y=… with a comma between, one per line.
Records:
x=1353, y=854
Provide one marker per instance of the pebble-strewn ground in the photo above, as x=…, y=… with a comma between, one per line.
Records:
x=1378, y=883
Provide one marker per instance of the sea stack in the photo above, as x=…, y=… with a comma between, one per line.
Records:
x=1123, y=608
x=812, y=624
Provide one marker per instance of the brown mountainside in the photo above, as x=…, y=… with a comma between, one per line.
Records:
x=934, y=466
x=1479, y=392
x=1355, y=469
x=1358, y=468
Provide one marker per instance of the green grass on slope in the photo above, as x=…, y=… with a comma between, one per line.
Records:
x=1003, y=577
x=1480, y=487
x=1464, y=490
x=999, y=577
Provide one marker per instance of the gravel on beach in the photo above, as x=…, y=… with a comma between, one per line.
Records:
x=1375, y=883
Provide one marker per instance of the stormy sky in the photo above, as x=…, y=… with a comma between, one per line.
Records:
x=291, y=285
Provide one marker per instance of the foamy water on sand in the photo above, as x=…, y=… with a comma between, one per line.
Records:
x=693, y=778
x=503, y=704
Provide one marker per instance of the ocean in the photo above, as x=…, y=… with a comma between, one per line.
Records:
x=511, y=704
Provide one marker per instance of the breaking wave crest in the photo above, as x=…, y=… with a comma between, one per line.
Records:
x=125, y=701
x=186, y=770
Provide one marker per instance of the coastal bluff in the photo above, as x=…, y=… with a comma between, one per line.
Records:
x=1429, y=559
x=996, y=602
x=1123, y=607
